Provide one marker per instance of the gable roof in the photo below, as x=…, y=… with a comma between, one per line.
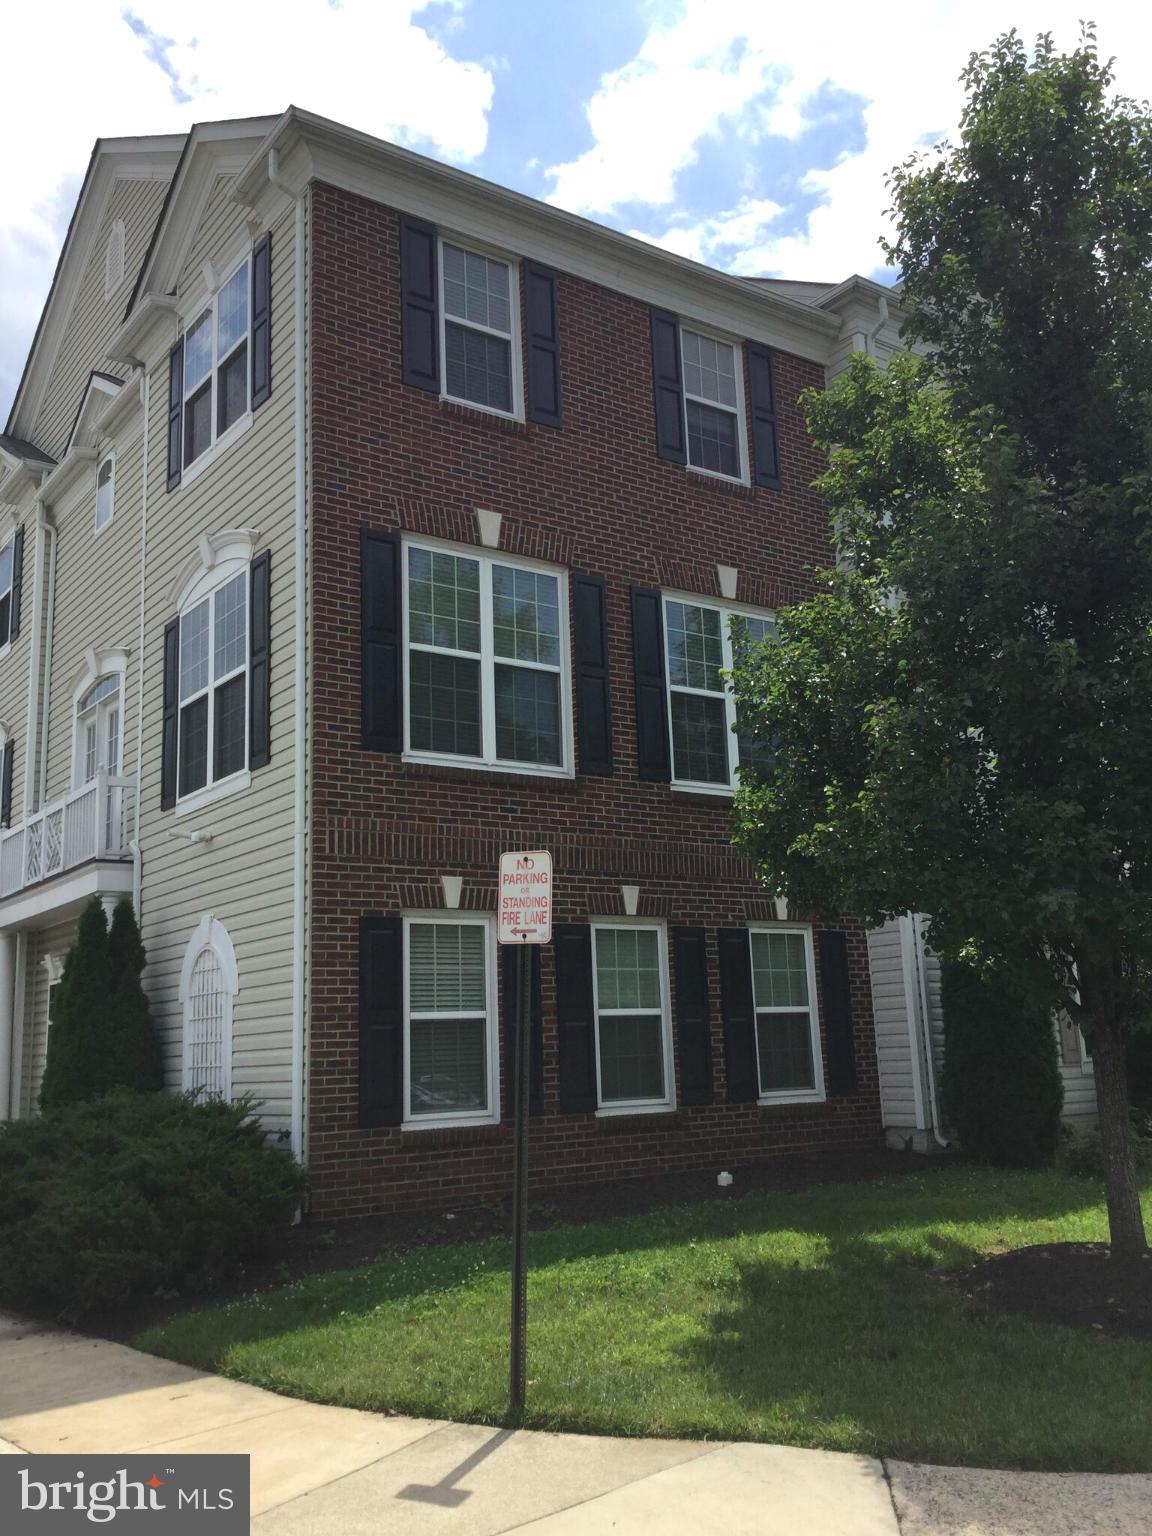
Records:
x=151, y=157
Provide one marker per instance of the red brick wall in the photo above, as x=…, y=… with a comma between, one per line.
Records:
x=593, y=497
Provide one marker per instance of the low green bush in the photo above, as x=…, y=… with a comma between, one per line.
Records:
x=1080, y=1152
x=109, y=1201
x=1002, y=1088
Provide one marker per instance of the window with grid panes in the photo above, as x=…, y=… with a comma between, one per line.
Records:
x=98, y=729
x=448, y=1019
x=213, y=718
x=631, y=1039
x=216, y=365
x=786, y=1037
x=479, y=331
x=712, y=404
x=702, y=643
x=486, y=660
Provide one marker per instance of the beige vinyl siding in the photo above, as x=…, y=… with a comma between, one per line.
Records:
x=1079, y=1095
x=244, y=875
x=94, y=319
x=42, y=942
x=890, y=1006
x=97, y=602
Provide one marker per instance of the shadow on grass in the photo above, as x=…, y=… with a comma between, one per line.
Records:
x=880, y=1352
x=902, y=1220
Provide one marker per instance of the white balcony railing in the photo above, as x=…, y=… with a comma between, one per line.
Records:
x=90, y=823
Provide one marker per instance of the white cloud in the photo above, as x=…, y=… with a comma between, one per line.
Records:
x=756, y=69
x=721, y=239
x=369, y=63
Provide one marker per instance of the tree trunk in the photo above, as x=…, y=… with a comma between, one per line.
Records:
x=1125, y=1218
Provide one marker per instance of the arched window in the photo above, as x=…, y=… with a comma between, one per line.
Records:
x=208, y=986
x=114, y=259
x=98, y=730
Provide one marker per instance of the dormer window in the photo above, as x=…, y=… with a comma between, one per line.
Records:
x=105, y=492
x=216, y=366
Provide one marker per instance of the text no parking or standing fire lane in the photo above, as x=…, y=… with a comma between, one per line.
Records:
x=524, y=918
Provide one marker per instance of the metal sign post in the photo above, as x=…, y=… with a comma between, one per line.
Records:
x=525, y=919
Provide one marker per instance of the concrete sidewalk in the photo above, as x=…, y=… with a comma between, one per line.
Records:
x=317, y=1471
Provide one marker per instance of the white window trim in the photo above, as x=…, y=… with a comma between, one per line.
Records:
x=105, y=458
x=726, y=611
x=637, y=1106
x=744, y=477
x=97, y=664
x=210, y=303
x=816, y=1094
x=490, y=763
x=205, y=589
x=210, y=934
x=462, y=1118
x=477, y=248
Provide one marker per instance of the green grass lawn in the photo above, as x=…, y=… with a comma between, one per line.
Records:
x=816, y=1318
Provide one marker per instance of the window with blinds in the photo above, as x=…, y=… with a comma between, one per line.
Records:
x=449, y=1019
x=787, y=1045
x=631, y=1017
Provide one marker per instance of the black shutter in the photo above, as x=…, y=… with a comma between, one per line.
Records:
x=668, y=387
x=575, y=1015
x=653, y=758
x=259, y=653
x=171, y=706
x=836, y=998
x=381, y=1021
x=543, y=341
x=262, y=320
x=509, y=966
x=6, y=765
x=175, y=412
x=739, y=1015
x=765, y=439
x=419, y=303
x=381, y=660
x=17, y=582
x=593, y=698
x=693, y=1024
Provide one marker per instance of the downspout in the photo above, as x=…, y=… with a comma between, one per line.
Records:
x=922, y=984
x=882, y=307
x=300, y=723
x=134, y=844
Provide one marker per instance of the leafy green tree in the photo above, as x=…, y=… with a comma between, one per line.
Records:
x=1002, y=1088
x=963, y=715
x=76, y=1064
x=134, y=1047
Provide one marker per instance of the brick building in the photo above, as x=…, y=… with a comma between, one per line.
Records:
x=507, y=489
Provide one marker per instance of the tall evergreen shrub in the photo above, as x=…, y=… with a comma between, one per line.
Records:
x=133, y=1044
x=1002, y=1087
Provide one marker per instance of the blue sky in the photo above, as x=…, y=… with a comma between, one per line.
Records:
x=750, y=134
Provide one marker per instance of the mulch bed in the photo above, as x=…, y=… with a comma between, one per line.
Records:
x=317, y=1247
x=1077, y=1284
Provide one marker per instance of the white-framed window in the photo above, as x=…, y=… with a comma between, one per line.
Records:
x=450, y=1043
x=486, y=661
x=713, y=405
x=212, y=718
x=98, y=730
x=787, y=1030
x=216, y=369
x=7, y=558
x=702, y=642
x=105, y=491
x=633, y=1029
x=209, y=984
x=480, y=329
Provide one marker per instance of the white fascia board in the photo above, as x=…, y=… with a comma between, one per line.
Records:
x=64, y=896
x=400, y=178
x=154, y=159
x=98, y=396
x=214, y=149
x=150, y=329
